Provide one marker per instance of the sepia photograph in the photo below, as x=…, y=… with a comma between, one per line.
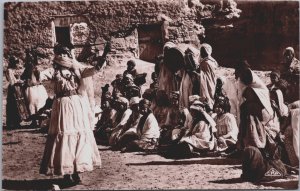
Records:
x=150, y=95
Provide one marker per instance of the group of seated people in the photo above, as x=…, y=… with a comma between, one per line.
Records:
x=154, y=121
x=129, y=122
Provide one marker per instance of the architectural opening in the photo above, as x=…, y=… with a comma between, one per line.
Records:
x=150, y=41
x=63, y=35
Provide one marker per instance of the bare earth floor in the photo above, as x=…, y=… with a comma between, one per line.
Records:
x=23, y=149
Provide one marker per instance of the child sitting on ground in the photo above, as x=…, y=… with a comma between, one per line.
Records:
x=227, y=129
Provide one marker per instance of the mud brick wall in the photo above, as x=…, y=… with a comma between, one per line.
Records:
x=30, y=24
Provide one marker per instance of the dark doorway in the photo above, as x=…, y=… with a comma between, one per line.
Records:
x=63, y=35
x=150, y=41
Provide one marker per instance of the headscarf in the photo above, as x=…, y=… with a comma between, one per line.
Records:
x=129, y=76
x=207, y=48
x=275, y=73
x=193, y=98
x=199, y=106
x=169, y=45
x=262, y=92
x=222, y=79
x=291, y=49
x=134, y=100
x=67, y=62
x=174, y=95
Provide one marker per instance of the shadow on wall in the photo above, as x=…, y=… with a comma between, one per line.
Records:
x=260, y=35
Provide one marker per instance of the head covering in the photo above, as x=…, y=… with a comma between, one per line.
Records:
x=223, y=102
x=291, y=49
x=261, y=91
x=131, y=62
x=197, y=105
x=193, y=98
x=207, y=48
x=134, y=100
x=275, y=73
x=169, y=45
x=129, y=76
x=174, y=95
x=105, y=88
x=222, y=79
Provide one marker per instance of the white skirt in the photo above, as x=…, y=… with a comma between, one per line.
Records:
x=70, y=146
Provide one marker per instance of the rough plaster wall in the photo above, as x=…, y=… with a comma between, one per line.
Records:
x=29, y=24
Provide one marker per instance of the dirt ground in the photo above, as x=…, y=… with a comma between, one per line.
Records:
x=22, y=150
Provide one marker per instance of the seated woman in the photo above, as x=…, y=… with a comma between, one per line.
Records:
x=148, y=130
x=199, y=136
x=227, y=129
x=120, y=118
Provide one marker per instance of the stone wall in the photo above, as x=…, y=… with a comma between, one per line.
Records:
x=31, y=24
x=263, y=31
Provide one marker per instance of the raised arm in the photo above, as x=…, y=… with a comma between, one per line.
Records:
x=89, y=71
x=46, y=74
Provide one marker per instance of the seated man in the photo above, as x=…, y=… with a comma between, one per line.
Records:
x=147, y=130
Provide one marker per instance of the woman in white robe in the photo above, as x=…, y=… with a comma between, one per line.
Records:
x=70, y=147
